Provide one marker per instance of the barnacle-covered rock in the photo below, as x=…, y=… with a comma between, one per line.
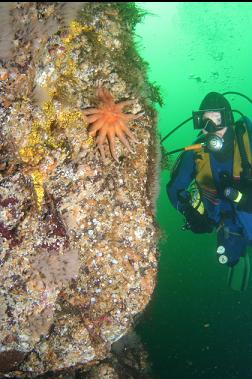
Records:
x=78, y=254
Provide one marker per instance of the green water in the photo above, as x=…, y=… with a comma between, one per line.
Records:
x=195, y=326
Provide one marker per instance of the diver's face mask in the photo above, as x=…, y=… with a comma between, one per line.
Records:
x=211, y=122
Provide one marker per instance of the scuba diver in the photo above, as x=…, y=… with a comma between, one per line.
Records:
x=211, y=183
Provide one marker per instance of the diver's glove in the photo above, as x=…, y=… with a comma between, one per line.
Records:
x=196, y=222
x=242, y=199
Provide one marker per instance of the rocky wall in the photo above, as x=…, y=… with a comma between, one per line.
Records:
x=79, y=165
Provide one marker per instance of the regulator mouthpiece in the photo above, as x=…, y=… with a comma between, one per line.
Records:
x=214, y=142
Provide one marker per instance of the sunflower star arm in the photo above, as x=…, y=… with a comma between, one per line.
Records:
x=97, y=125
x=92, y=118
x=129, y=116
x=122, y=138
x=123, y=104
x=90, y=111
x=127, y=131
x=102, y=135
x=105, y=96
x=111, y=139
x=100, y=148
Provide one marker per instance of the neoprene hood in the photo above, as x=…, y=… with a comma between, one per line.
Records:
x=215, y=101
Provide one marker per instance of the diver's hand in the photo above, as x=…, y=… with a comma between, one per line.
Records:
x=245, y=204
x=242, y=198
x=196, y=222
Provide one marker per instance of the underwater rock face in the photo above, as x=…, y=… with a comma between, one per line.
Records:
x=78, y=251
x=127, y=360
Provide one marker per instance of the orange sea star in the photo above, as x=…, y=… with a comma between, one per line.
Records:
x=108, y=121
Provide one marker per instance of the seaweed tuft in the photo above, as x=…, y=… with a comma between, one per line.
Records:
x=131, y=14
